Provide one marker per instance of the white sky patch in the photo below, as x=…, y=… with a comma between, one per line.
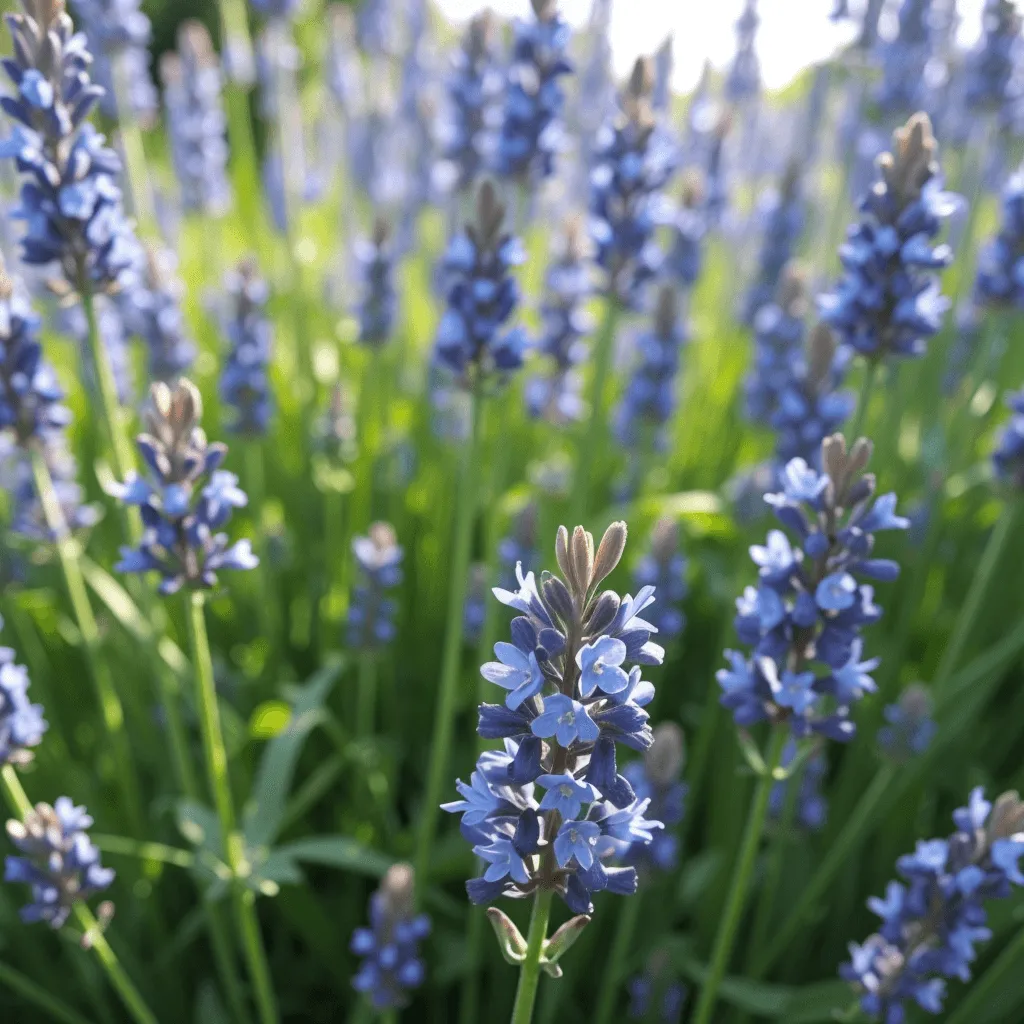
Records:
x=793, y=33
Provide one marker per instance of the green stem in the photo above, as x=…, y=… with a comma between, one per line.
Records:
x=111, y=708
x=529, y=972
x=972, y=607
x=618, y=958
x=444, y=719
x=367, y=695
x=838, y=851
x=256, y=481
x=864, y=400
x=145, y=850
x=133, y=1001
x=590, y=440
x=742, y=875
x=20, y=805
x=119, y=444
x=33, y=993
x=1008, y=962
x=389, y=1017
x=220, y=787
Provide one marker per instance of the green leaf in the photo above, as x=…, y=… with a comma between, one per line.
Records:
x=265, y=809
x=269, y=719
x=817, y=1002
x=338, y=852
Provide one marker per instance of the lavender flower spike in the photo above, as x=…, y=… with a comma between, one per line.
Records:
x=371, y=613
x=21, y=722
x=933, y=920
x=185, y=498
x=888, y=302
x=56, y=859
x=245, y=385
x=805, y=618
x=70, y=200
x=552, y=811
x=482, y=296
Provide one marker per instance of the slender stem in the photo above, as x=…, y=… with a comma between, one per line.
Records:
x=617, y=959
x=110, y=703
x=444, y=718
x=145, y=850
x=220, y=788
x=104, y=374
x=979, y=994
x=20, y=805
x=590, y=440
x=469, y=1004
x=742, y=875
x=529, y=972
x=33, y=993
x=367, y=696
x=973, y=605
x=133, y=1001
x=839, y=850
x=256, y=483
x=864, y=399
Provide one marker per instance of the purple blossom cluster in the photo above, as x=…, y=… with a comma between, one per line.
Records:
x=550, y=810
x=803, y=621
x=932, y=921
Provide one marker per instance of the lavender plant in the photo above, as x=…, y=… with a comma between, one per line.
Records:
x=371, y=613
x=932, y=922
x=244, y=385
x=570, y=703
x=21, y=722
x=378, y=304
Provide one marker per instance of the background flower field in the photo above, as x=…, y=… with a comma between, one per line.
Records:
x=390, y=301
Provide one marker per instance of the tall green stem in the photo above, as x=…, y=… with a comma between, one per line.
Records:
x=220, y=787
x=974, y=602
x=529, y=972
x=629, y=915
x=864, y=400
x=444, y=719
x=590, y=440
x=110, y=703
x=118, y=438
x=20, y=805
x=366, y=709
x=740, y=885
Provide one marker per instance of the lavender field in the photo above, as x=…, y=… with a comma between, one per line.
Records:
x=484, y=537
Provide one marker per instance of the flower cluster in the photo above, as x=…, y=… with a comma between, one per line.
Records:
x=196, y=123
x=650, y=397
x=32, y=413
x=932, y=921
x=482, y=295
x=571, y=700
x=657, y=778
x=21, y=722
x=275, y=9
x=531, y=133
x=119, y=34
x=57, y=860
x=810, y=406
x=743, y=80
x=244, y=384
x=371, y=613
x=909, y=727
x=519, y=545
x=990, y=69
x=782, y=214
x=778, y=340
x=70, y=200
x=889, y=302
x=390, y=965
x=556, y=395
x=656, y=994
x=1000, y=280
x=152, y=311
x=1008, y=458
x=805, y=617
x=185, y=498
x=664, y=567
x=474, y=90
x=811, y=809
x=633, y=162
x=378, y=305
x=904, y=85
